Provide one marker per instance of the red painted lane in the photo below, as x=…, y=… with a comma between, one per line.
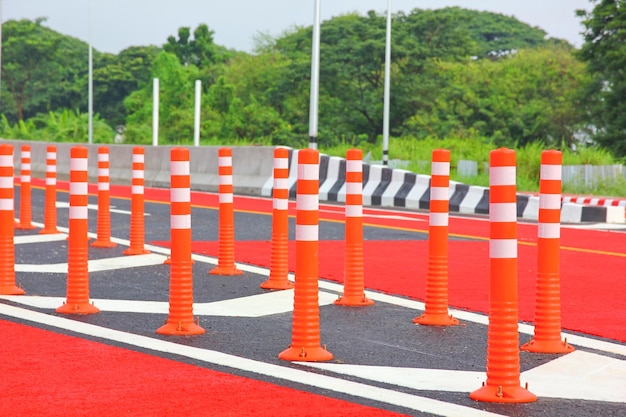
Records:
x=473, y=227
x=592, y=303
x=593, y=263
x=87, y=378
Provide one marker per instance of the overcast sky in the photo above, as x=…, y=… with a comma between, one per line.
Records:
x=117, y=24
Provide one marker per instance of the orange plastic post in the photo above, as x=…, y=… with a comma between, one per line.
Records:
x=305, y=337
x=104, y=202
x=137, y=234
x=180, y=321
x=354, y=282
x=279, y=255
x=50, y=209
x=226, y=232
x=548, y=303
x=7, y=210
x=77, y=301
x=26, y=213
x=503, y=363
x=436, y=310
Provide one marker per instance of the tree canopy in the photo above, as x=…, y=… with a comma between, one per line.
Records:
x=41, y=70
x=604, y=51
x=454, y=73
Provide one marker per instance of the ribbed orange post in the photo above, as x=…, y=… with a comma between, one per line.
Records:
x=104, y=202
x=279, y=256
x=226, y=233
x=50, y=205
x=548, y=303
x=26, y=215
x=503, y=363
x=77, y=264
x=180, y=320
x=7, y=210
x=305, y=337
x=137, y=233
x=436, y=311
x=354, y=282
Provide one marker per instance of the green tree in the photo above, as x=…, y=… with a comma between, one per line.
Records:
x=116, y=76
x=530, y=96
x=58, y=126
x=496, y=34
x=352, y=65
x=176, y=83
x=42, y=70
x=604, y=51
x=200, y=50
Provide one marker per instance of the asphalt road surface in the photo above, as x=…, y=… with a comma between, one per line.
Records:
x=381, y=358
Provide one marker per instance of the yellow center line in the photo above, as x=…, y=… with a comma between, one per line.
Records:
x=405, y=229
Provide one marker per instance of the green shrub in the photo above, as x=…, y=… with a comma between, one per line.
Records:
x=418, y=154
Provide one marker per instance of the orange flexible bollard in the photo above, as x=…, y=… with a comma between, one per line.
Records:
x=354, y=281
x=137, y=234
x=180, y=321
x=7, y=210
x=103, y=239
x=503, y=363
x=26, y=209
x=279, y=256
x=77, y=264
x=226, y=233
x=305, y=337
x=50, y=208
x=548, y=304
x=436, y=310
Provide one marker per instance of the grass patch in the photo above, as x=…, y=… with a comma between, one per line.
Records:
x=418, y=154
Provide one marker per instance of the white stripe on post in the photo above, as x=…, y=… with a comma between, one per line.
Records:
x=308, y=172
x=503, y=248
x=308, y=202
x=354, y=211
x=503, y=212
x=306, y=232
x=440, y=168
x=180, y=195
x=504, y=175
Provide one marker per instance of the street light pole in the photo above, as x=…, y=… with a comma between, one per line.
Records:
x=315, y=71
x=387, y=87
x=0, y=55
x=90, y=110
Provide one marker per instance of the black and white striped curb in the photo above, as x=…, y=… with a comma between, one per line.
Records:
x=387, y=187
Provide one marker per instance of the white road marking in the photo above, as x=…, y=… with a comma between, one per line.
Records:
x=577, y=375
x=414, y=378
x=112, y=209
x=599, y=226
x=21, y=240
x=573, y=339
x=394, y=217
x=97, y=265
x=276, y=302
x=570, y=376
x=368, y=213
x=412, y=402
x=580, y=375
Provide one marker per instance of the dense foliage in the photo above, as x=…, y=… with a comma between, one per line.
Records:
x=42, y=70
x=459, y=73
x=605, y=52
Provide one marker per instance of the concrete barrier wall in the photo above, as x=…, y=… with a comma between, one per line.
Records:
x=252, y=165
x=253, y=172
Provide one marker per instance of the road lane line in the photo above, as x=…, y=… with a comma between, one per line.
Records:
x=600, y=345
x=361, y=390
x=259, y=305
